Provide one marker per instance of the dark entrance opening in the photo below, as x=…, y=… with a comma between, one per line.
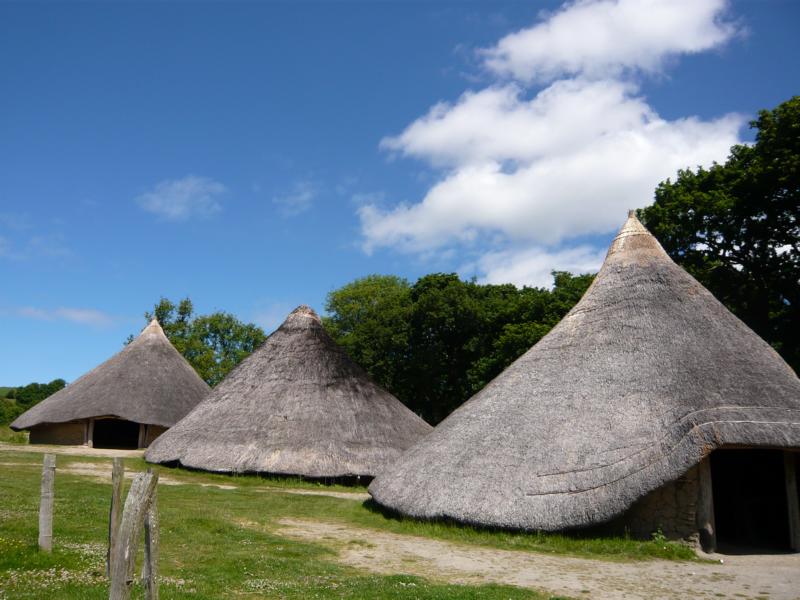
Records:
x=750, y=507
x=115, y=433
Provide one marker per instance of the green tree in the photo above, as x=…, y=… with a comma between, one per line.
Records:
x=213, y=344
x=736, y=228
x=33, y=393
x=20, y=399
x=437, y=342
x=369, y=317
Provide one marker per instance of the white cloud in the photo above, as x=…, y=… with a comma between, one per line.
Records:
x=601, y=38
x=522, y=174
x=84, y=316
x=568, y=162
x=298, y=201
x=181, y=199
x=533, y=266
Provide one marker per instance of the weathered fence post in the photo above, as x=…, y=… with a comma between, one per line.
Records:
x=114, y=513
x=123, y=555
x=46, y=503
x=151, y=538
x=706, y=524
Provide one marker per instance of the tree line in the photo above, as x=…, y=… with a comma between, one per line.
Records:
x=19, y=399
x=438, y=341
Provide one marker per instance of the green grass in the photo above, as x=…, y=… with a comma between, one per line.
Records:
x=4, y=390
x=9, y=436
x=206, y=552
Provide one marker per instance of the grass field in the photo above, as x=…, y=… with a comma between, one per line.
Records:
x=207, y=552
x=10, y=436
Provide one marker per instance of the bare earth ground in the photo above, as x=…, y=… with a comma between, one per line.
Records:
x=71, y=450
x=774, y=576
x=762, y=577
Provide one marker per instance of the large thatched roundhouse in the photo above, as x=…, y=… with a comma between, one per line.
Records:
x=126, y=402
x=648, y=406
x=297, y=406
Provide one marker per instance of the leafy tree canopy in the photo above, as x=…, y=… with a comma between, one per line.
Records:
x=437, y=342
x=736, y=228
x=213, y=344
x=19, y=399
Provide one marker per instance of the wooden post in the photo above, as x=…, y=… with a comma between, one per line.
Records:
x=114, y=513
x=123, y=556
x=142, y=436
x=151, y=539
x=792, y=500
x=46, y=503
x=705, y=507
x=90, y=441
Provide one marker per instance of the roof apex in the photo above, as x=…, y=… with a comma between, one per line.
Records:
x=633, y=235
x=153, y=329
x=302, y=317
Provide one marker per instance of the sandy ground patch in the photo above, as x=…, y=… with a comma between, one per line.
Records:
x=356, y=496
x=103, y=471
x=774, y=577
x=71, y=450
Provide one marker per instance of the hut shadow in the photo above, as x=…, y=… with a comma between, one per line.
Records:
x=573, y=534
x=345, y=481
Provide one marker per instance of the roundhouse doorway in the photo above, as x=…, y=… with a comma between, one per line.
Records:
x=751, y=500
x=115, y=433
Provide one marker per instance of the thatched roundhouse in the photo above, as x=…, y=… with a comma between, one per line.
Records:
x=649, y=406
x=126, y=402
x=297, y=406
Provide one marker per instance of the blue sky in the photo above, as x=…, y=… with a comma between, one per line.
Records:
x=256, y=156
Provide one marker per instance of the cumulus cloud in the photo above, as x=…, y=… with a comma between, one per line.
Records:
x=298, y=201
x=601, y=38
x=182, y=199
x=534, y=265
x=83, y=316
x=568, y=162
x=535, y=169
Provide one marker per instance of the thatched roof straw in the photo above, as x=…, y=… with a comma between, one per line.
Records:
x=645, y=376
x=148, y=382
x=297, y=406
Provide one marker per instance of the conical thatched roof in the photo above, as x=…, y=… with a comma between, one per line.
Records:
x=646, y=375
x=147, y=382
x=298, y=405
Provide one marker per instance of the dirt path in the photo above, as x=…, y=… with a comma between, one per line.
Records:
x=774, y=577
x=71, y=450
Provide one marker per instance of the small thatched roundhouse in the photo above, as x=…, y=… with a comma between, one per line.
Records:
x=297, y=406
x=126, y=402
x=649, y=406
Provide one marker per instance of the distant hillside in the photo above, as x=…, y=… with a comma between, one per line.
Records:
x=16, y=400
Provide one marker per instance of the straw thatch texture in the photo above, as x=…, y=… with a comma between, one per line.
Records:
x=147, y=382
x=298, y=405
x=646, y=375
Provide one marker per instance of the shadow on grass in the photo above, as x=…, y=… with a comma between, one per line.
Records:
x=352, y=481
